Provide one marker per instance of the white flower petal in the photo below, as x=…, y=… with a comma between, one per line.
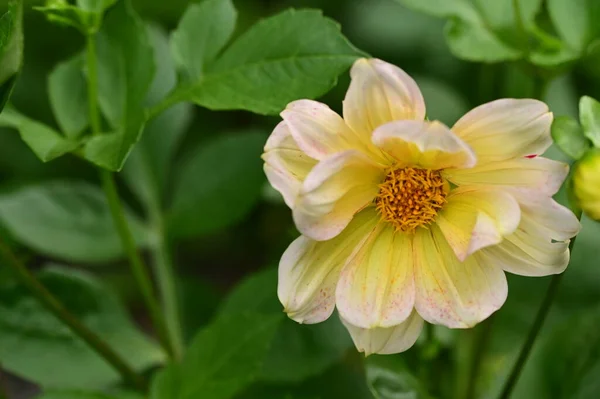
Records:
x=506, y=128
x=476, y=218
x=428, y=145
x=379, y=93
x=386, y=341
x=286, y=166
x=453, y=293
x=309, y=270
x=376, y=287
x=334, y=191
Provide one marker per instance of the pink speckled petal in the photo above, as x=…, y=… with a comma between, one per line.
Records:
x=476, y=218
x=386, y=341
x=453, y=293
x=376, y=287
x=309, y=270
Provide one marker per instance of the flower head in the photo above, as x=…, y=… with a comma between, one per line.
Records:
x=586, y=184
x=405, y=220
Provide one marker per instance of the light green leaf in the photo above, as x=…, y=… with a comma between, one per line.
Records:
x=11, y=49
x=69, y=220
x=298, y=351
x=223, y=359
x=67, y=88
x=44, y=141
x=576, y=21
x=589, y=115
x=295, y=54
x=203, y=31
x=36, y=346
x=217, y=185
x=62, y=13
x=97, y=6
x=568, y=136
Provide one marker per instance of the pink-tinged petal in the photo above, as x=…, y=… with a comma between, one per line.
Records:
x=450, y=292
x=428, y=145
x=505, y=129
x=379, y=93
x=376, y=287
x=386, y=340
x=475, y=218
x=540, y=246
x=533, y=177
x=309, y=270
x=334, y=191
x=318, y=130
x=286, y=166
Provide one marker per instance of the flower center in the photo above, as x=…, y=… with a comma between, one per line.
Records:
x=411, y=197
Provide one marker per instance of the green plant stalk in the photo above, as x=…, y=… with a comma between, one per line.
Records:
x=535, y=328
x=53, y=305
x=138, y=268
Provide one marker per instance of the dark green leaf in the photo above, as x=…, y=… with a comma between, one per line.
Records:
x=65, y=219
x=36, y=346
x=44, y=141
x=295, y=54
x=589, y=115
x=568, y=136
x=576, y=21
x=202, y=33
x=218, y=184
x=11, y=49
x=88, y=395
x=223, y=359
x=67, y=88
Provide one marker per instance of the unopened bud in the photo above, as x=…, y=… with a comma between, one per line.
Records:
x=586, y=184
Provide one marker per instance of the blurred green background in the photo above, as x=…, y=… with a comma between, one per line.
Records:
x=211, y=263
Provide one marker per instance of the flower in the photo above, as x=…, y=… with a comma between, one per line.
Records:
x=405, y=220
x=586, y=183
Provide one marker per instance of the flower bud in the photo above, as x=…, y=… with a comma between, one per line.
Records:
x=586, y=184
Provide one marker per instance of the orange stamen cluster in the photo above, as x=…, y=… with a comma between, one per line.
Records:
x=410, y=197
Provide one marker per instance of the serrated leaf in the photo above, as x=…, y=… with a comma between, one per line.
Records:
x=589, y=115
x=223, y=359
x=11, y=49
x=68, y=220
x=203, y=31
x=217, y=185
x=67, y=89
x=44, y=141
x=36, y=346
x=569, y=137
x=299, y=50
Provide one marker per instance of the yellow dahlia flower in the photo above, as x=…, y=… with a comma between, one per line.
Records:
x=405, y=220
x=586, y=184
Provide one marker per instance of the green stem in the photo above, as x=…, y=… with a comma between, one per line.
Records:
x=92, y=82
x=479, y=348
x=57, y=309
x=535, y=328
x=176, y=96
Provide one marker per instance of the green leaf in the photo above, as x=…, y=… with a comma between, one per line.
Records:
x=36, y=346
x=97, y=6
x=87, y=395
x=69, y=220
x=217, y=185
x=202, y=33
x=589, y=115
x=86, y=16
x=11, y=49
x=298, y=351
x=44, y=141
x=568, y=136
x=149, y=165
x=67, y=88
x=223, y=359
x=299, y=50
x=576, y=21
x=390, y=378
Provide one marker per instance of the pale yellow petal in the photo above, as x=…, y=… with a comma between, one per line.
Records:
x=475, y=218
x=428, y=145
x=453, y=293
x=286, y=166
x=334, y=191
x=386, y=341
x=506, y=128
x=538, y=176
x=379, y=93
x=376, y=287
